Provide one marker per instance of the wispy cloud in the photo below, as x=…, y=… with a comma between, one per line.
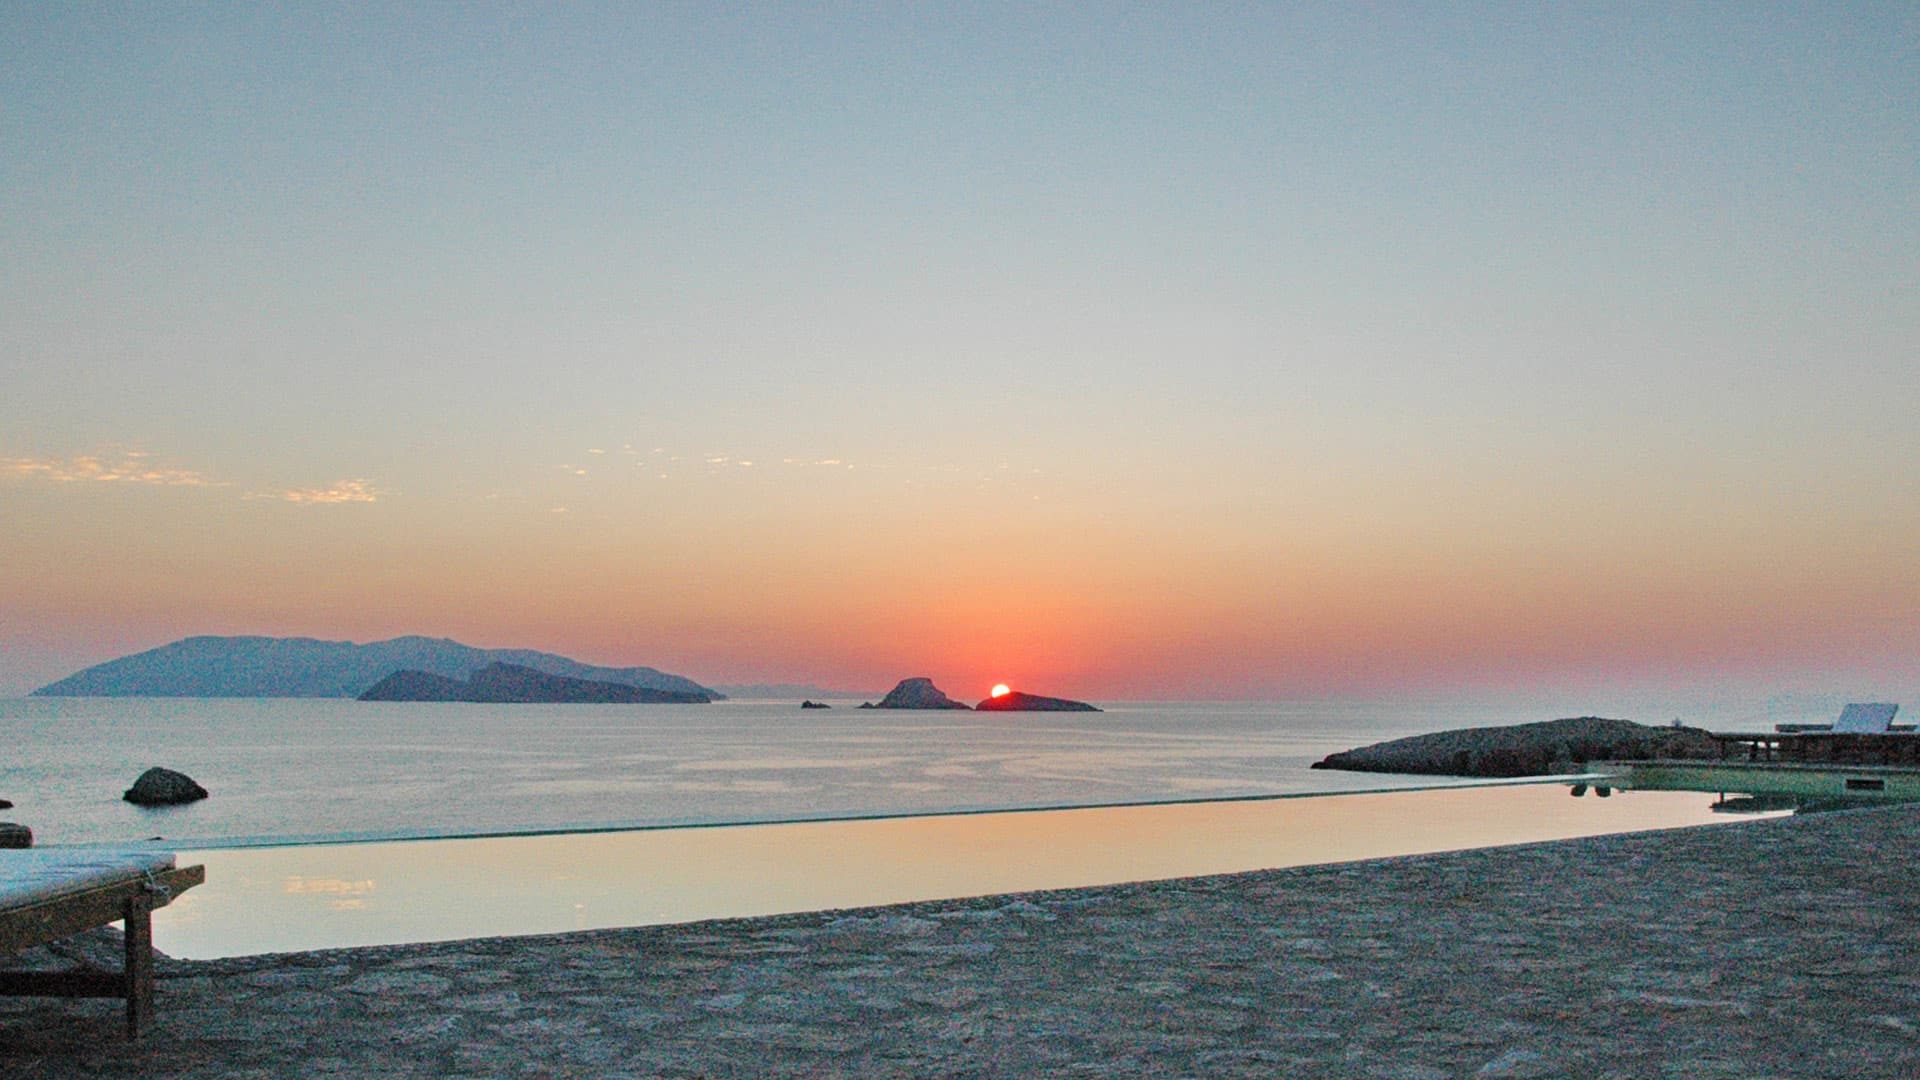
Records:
x=341, y=491
x=128, y=467
x=125, y=467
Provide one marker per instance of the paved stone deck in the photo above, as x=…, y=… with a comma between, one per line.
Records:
x=1786, y=948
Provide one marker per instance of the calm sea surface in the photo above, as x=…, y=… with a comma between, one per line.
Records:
x=306, y=769
x=340, y=822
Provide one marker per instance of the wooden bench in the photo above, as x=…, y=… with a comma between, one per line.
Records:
x=50, y=893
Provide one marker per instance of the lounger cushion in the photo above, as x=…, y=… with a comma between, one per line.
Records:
x=36, y=874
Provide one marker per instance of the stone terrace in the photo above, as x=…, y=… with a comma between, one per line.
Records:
x=1786, y=948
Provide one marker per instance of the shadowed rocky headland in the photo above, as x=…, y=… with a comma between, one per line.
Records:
x=1550, y=746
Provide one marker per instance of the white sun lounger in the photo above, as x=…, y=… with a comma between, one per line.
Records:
x=50, y=893
x=1865, y=719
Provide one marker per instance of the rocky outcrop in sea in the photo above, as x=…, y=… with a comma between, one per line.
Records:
x=918, y=693
x=164, y=787
x=1015, y=701
x=1544, y=748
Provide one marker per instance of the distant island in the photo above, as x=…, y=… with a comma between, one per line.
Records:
x=1015, y=701
x=916, y=693
x=514, y=684
x=275, y=667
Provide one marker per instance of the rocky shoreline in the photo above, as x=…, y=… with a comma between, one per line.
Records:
x=1541, y=749
x=1774, y=948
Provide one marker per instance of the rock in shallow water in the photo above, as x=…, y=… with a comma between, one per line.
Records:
x=15, y=836
x=164, y=787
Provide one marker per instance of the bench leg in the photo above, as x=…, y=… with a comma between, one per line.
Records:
x=139, y=966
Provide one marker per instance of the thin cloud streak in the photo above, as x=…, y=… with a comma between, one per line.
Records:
x=133, y=467
x=130, y=468
x=343, y=491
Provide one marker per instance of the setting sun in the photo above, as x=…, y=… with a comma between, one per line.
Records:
x=1000, y=690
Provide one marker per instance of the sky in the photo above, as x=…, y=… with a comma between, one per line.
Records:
x=1107, y=350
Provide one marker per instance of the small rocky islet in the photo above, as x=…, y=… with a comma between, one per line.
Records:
x=917, y=692
x=1017, y=701
x=920, y=693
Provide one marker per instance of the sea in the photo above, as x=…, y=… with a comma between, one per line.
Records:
x=306, y=770
x=334, y=823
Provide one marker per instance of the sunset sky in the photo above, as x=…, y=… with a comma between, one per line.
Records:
x=1112, y=351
